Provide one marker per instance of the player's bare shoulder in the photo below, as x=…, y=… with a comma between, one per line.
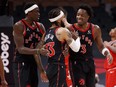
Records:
x=61, y=33
x=18, y=25
x=41, y=26
x=96, y=29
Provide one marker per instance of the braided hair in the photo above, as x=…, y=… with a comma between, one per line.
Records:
x=54, y=13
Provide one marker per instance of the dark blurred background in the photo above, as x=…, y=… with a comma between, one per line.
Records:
x=104, y=15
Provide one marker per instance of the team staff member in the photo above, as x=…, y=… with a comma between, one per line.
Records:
x=27, y=33
x=55, y=41
x=111, y=68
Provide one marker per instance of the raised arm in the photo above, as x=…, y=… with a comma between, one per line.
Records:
x=63, y=34
x=66, y=23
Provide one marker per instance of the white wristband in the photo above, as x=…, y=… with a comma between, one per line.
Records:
x=104, y=50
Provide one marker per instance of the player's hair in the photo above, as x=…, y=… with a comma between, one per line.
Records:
x=86, y=7
x=54, y=13
x=29, y=4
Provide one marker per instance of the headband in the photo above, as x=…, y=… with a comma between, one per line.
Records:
x=31, y=8
x=58, y=17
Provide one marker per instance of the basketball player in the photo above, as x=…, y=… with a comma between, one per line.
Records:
x=27, y=33
x=2, y=75
x=82, y=63
x=55, y=39
x=111, y=69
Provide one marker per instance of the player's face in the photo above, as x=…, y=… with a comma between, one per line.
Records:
x=113, y=34
x=35, y=14
x=82, y=16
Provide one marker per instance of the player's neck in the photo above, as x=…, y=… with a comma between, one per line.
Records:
x=83, y=26
x=29, y=21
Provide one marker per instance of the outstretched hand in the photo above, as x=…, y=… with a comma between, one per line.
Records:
x=64, y=20
x=43, y=51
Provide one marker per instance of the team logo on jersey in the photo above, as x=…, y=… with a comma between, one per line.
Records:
x=49, y=36
x=89, y=32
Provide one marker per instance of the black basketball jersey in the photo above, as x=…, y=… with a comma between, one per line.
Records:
x=54, y=46
x=86, y=39
x=32, y=36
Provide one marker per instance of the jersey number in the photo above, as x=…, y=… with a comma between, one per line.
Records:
x=50, y=46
